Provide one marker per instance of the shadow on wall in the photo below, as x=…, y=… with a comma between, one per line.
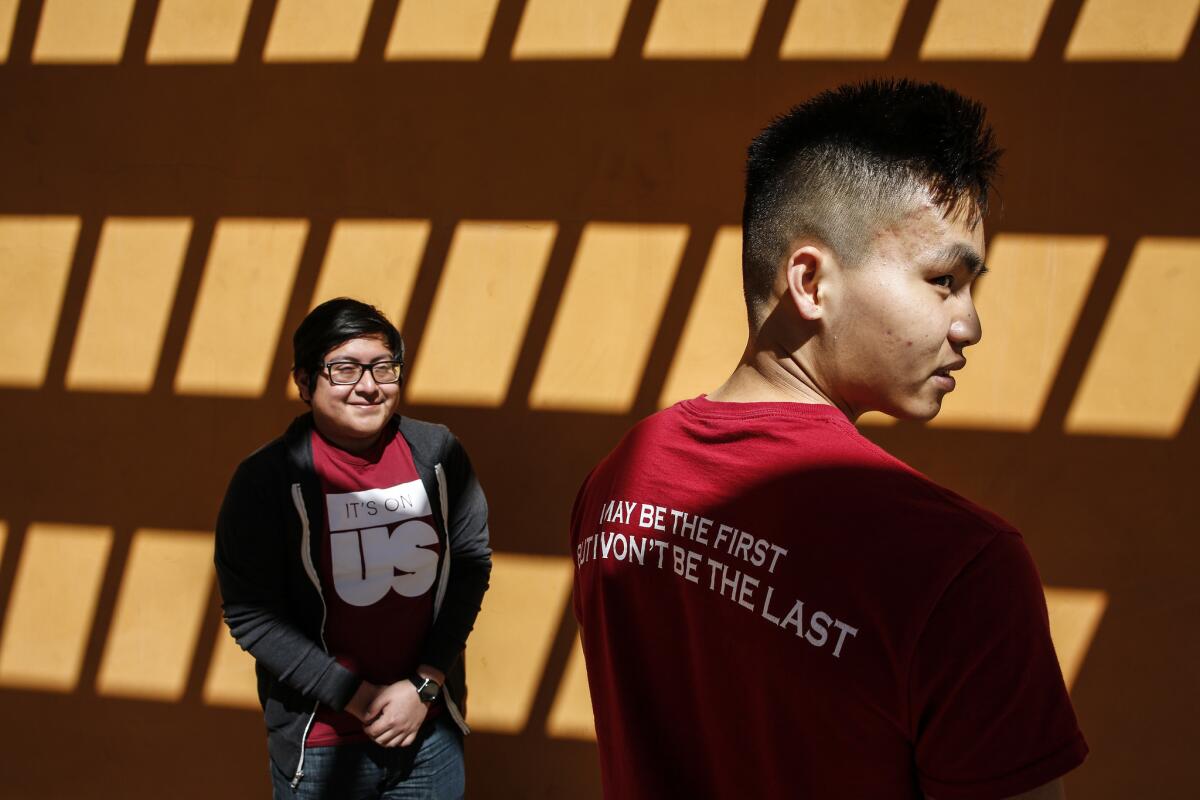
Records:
x=545, y=195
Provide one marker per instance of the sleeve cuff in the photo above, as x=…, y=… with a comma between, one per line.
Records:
x=342, y=685
x=440, y=657
x=1031, y=776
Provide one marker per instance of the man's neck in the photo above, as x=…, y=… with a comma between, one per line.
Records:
x=353, y=446
x=760, y=378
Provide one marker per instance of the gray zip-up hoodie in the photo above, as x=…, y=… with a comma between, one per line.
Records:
x=268, y=535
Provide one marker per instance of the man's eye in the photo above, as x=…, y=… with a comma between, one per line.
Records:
x=946, y=281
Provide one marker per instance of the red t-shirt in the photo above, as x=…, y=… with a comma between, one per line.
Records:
x=771, y=606
x=378, y=569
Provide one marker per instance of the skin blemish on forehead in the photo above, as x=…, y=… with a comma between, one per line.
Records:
x=913, y=232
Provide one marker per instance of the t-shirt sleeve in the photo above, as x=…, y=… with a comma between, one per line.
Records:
x=576, y=527
x=991, y=713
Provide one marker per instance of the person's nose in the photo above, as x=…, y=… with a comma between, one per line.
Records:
x=367, y=385
x=965, y=327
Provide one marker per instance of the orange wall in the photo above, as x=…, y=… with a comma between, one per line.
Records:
x=545, y=195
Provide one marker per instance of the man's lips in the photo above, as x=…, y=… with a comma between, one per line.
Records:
x=942, y=376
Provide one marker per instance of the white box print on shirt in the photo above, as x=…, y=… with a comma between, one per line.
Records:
x=369, y=556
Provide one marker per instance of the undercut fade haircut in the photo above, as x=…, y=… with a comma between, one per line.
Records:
x=849, y=162
x=335, y=322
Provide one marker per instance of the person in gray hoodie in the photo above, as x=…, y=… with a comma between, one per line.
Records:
x=352, y=555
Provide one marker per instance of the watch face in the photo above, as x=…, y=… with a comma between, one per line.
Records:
x=428, y=691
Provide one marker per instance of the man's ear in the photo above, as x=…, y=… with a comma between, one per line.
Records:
x=806, y=273
x=300, y=378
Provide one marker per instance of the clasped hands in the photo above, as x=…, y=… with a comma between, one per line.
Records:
x=392, y=715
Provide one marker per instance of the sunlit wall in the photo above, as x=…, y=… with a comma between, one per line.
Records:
x=545, y=195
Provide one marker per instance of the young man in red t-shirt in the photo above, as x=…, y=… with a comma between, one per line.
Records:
x=352, y=554
x=770, y=605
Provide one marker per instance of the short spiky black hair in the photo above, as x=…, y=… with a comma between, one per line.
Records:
x=846, y=163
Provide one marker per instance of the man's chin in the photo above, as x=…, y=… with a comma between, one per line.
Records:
x=915, y=411
x=365, y=428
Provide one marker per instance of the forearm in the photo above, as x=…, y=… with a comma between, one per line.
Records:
x=260, y=613
x=289, y=655
x=465, y=587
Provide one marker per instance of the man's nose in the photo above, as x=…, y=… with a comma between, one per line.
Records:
x=965, y=328
x=366, y=383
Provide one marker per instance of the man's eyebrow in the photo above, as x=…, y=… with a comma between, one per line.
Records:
x=966, y=256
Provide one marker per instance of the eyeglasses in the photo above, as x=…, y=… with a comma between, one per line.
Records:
x=346, y=373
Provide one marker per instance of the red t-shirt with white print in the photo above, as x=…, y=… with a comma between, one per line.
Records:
x=773, y=607
x=378, y=568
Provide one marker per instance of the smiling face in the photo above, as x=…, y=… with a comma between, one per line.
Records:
x=898, y=322
x=352, y=416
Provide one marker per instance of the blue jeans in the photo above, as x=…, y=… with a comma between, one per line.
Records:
x=429, y=769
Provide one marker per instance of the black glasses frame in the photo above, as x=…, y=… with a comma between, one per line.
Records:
x=393, y=371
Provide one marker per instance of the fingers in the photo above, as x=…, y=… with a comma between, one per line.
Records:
x=396, y=738
x=376, y=706
x=378, y=726
x=389, y=739
x=391, y=729
x=394, y=715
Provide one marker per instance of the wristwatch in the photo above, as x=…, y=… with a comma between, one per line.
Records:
x=427, y=689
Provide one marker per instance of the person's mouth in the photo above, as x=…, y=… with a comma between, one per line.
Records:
x=942, y=377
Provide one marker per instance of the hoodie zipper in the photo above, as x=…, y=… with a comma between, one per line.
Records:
x=306, y=558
